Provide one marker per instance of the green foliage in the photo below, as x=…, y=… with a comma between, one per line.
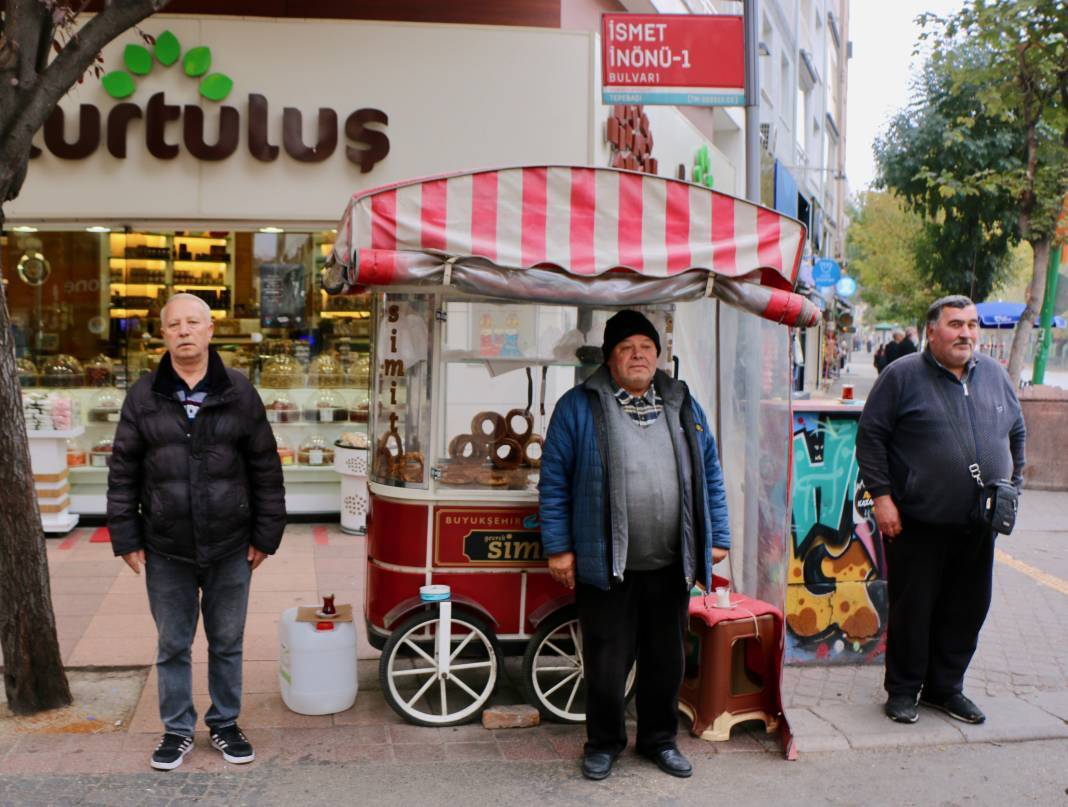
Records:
x=881, y=247
x=167, y=49
x=197, y=61
x=137, y=60
x=216, y=86
x=118, y=84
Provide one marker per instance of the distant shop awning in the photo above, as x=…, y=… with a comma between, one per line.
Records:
x=1006, y=315
x=577, y=235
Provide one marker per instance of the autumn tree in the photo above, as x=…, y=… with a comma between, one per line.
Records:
x=881, y=246
x=1004, y=65
x=44, y=51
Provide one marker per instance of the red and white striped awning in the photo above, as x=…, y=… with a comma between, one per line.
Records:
x=584, y=223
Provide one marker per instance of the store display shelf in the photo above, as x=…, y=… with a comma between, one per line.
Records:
x=122, y=313
x=196, y=286
x=58, y=434
x=353, y=314
x=158, y=263
x=125, y=284
x=206, y=239
x=201, y=264
x=88, y=472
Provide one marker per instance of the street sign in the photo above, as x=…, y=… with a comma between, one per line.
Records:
x=826, y=272
x=846, y=286
x=696, y=60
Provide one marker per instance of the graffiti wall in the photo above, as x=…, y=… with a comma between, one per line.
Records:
x=836, y=593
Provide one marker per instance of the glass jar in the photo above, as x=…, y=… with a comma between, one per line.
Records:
x=282, y=408
x=281, y=372
x=100, y=453
x=328, y=406
x=315, y=451
x=285, y=453
x=62, y=371
x=98, y=372
x=77, y=456
x=27, y=372
x=105, y=406
x=325, y=371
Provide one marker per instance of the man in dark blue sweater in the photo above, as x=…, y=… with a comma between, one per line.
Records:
x=924, y=413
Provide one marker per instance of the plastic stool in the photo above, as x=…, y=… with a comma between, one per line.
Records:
x=733, y=674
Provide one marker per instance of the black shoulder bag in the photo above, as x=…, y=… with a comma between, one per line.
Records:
x=998, y=500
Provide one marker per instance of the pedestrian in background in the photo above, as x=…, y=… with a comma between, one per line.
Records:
x=911, y=342
x=893, y=350
x=939, y=556
x=195, y=495
x=633, y=510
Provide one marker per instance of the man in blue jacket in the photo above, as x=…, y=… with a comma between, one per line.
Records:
x=633, y=512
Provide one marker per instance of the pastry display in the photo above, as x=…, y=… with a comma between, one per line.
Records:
x=45, y=411
x=285, y=454
x=506, y=454
x=77, y=456
x=325, y=371
x=100, y=453
x=62, y=371
x=525, y=419
x=281, y=372
x=360, y=412
x=27, y=372
x=315, y=451
x=328, y=407
x=98, y=372
x=488, y=425
x=501, y=452
x=352, y=440
x=105, y=407
x=282, y=409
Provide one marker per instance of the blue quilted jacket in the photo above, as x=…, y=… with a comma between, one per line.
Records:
x=575, y=483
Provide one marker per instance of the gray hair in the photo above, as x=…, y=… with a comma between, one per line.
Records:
x=184, y=295
x=934, y=313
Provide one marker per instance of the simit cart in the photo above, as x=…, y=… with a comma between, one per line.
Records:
x=490, y=290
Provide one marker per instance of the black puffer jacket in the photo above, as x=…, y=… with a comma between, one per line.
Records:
x=195, y=490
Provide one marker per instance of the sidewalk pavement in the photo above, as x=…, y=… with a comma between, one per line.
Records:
x=1019, y=675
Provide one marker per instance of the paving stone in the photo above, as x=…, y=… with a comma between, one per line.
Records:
x=1012, y=719
x=868, y=727
x=813, y=734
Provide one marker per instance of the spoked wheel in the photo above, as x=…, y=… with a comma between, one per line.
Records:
x=553, y=673
x=433, y=680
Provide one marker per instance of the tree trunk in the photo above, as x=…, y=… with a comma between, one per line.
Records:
x=33, y=669
x=1025, y=326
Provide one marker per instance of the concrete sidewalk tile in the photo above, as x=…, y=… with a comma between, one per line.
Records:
x=741, y=742
x=82, y=584
x=813, y=734
x=81, y=761
x=275, y=602
x=470, y=751
x=407, y=733
x=865, y=726
x=1053, y=703
x=96, y=651
x=425, y=752
x=20, y=764
x=91, y=568
x=263, y=710
x=1011, y=719
x=134, y=603
x=64, y=604
x=121, y=626
x=68, y=627
x=302, y=580
x=526, y=749
x=368, y=711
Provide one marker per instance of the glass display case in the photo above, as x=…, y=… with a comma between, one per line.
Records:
x=105, y=406
x=62, y=371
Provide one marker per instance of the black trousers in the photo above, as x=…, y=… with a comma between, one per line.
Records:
x=939, y=582
x=644, y=617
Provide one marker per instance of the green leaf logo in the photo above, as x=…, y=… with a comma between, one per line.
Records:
x=216, y=86
x=167, y=50
x=118, y=84
x=138, y=60
x=197, y=62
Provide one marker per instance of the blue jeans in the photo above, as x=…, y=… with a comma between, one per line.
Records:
x=177, y=591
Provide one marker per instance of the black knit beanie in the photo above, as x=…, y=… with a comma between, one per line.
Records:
x=626, y=324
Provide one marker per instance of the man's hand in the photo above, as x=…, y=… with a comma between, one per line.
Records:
x=255, y=557
x=562, y=568
x=887, y=517
x=135, y=560
x=718, y=554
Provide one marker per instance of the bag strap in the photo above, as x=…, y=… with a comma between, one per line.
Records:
x=973, y=469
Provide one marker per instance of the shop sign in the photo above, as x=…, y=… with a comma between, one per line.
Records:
x=691, y=59
x=826, y=272
x=366, y=145
x=846, y=286
x=496, y=536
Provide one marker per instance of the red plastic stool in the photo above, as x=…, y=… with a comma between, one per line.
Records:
x=733, y=669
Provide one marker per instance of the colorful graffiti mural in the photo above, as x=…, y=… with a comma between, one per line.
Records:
x=836, y=586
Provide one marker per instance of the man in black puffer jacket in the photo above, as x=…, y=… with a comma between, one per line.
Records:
x=195, y=494
x=928, y=419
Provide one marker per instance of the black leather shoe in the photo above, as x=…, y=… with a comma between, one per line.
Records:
x=597, y=764
x=956, y=706
x=670, y=760
x=901, y=708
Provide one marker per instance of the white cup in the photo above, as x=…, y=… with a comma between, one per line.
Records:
x=723, y=597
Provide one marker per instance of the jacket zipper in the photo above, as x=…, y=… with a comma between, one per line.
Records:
x=971, y=419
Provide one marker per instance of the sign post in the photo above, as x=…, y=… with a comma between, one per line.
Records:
x=826, y=272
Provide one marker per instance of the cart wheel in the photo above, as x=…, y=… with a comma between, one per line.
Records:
x=553, y=674
x=412, y=679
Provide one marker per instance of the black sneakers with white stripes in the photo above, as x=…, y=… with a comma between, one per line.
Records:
x=171, y=751
x=233, y=743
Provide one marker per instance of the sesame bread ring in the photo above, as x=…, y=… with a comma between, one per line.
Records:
x=535, y=460
x=528, y=422
x=466, y=448
x=512, y=456
x=493, y=420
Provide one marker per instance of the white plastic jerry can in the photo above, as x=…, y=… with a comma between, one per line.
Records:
x=316, y=664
